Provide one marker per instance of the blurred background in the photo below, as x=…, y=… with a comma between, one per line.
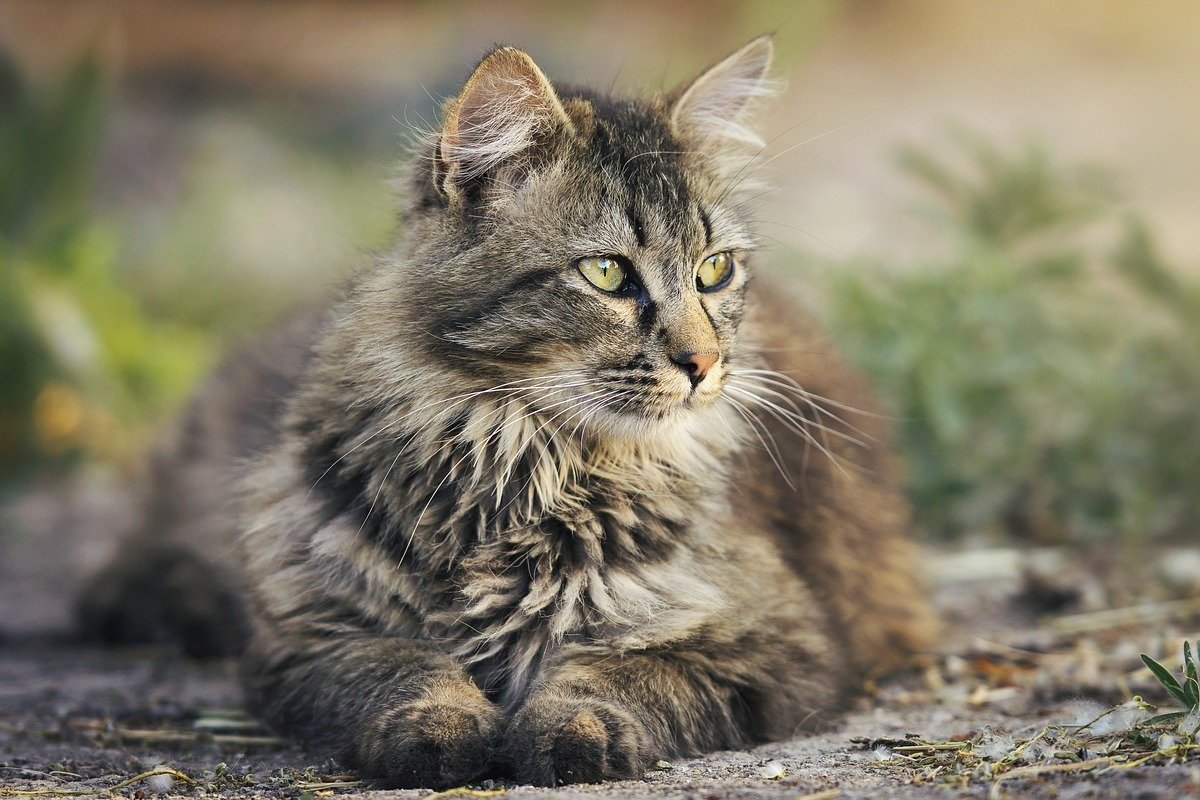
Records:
x=994, y=206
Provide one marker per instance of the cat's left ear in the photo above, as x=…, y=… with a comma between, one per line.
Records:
x=506, y=109
x=716, y=108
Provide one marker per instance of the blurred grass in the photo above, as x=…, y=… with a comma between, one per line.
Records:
x=263, y=219
x=110, y=315
x=1043, y=363
x=83, y=368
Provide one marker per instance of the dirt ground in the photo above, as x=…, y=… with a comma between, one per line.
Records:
x=75, y=720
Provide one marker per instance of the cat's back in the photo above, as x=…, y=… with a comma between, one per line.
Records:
x=179, y=573
x=236, y=413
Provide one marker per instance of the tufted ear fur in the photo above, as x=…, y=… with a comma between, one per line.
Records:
x=491, y=128
x=715, y=109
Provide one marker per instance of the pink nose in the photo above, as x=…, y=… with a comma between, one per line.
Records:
x=696, y=365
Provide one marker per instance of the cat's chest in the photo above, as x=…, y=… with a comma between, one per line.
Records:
x=588, y=579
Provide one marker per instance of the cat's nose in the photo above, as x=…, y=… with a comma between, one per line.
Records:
x=696, y=365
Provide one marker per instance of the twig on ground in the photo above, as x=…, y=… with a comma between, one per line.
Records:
x=1089, y=621
x=64, y=792
x=191, y=737
x=825, y=794
x=464, y=791
x=317, y=786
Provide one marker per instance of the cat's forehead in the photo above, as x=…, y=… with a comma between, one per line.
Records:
x=639, y=164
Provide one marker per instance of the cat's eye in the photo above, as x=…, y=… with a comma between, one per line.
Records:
x=603, y=273
x=714, y=271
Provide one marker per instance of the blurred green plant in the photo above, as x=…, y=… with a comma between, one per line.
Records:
x=1044, y=367
x=109, y=316
x=81, y=366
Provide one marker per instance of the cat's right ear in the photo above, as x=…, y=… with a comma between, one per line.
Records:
x=505, y=109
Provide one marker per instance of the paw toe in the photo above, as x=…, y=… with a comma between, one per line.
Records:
x=575, y=741
x=432, y=744
x=579, y=750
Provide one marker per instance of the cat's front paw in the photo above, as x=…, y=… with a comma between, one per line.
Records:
x=556, y=740
x=431, y=743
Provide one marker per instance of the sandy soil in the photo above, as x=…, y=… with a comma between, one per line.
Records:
x=63, y=707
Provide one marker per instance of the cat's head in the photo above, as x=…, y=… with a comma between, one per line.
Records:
x=586, y=252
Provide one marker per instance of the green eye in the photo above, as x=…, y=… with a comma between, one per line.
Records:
x=603, y=273
x=714, y=271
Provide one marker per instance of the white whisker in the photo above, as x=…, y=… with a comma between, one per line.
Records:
x=755, y=426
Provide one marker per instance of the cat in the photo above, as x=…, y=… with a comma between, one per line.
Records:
x=559, y=487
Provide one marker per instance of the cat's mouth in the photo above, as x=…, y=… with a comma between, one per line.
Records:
x=663, y=404
x=650, y=416
x=611, y=402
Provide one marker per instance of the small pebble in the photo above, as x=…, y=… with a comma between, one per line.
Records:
x=1181, y=567
x=773, y=771
x=663, y=765
x=957, y=667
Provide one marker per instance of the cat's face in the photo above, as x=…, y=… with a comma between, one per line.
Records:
x=592, y=253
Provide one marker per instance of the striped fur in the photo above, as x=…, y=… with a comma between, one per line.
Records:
x=497, y=526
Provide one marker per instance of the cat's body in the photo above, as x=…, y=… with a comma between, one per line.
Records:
x=511, y=510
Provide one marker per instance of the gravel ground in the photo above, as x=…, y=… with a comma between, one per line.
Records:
x=79, y=720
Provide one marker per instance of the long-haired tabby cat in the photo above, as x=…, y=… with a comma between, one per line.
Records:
x=557, y=488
